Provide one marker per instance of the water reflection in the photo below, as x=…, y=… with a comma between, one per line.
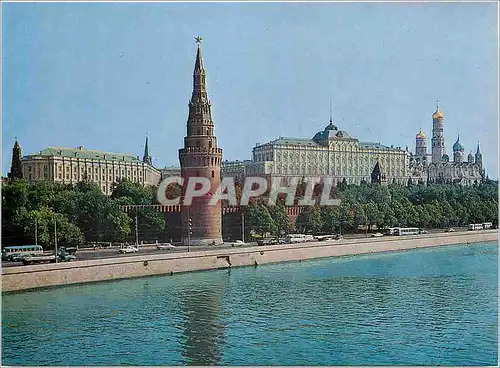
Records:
x=203, y=331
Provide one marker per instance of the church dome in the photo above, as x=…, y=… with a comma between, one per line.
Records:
x=420, y=135
x=458, y=146
x=437, y=114
x=446, y=158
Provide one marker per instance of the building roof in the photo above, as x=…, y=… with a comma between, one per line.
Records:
x=83, y=153
x=420, y=135
x=294, y=141
x=312, y=143
x=458, y=146
x=374, y=145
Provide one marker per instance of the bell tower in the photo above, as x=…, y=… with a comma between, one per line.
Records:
x=438, y=149
x=200, y=157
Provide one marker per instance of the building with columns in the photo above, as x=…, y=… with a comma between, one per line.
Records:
x=200, y=157
x=439, y=168
x=330, y=152
x=72, y=165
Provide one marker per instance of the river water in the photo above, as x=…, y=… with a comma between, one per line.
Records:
x=425, y=307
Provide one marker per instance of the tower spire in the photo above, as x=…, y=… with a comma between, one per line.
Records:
x=147, y=158
x=331, y=118
x=199, y=89
x=16, y=170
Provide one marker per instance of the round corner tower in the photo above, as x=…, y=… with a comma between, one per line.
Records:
x=200, y=157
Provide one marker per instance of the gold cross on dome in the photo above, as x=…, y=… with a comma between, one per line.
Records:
x=198, y=39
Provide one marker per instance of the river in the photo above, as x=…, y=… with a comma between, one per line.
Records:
x=435, y=306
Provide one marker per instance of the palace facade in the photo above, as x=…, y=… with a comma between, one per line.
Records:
x=330, y=152
x=72, y=165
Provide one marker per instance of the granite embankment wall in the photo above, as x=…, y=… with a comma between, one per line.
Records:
x=36, y=276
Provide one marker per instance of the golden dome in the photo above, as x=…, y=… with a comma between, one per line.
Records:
x=420, y=135
x=437, y=114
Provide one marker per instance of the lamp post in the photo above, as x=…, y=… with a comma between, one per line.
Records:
x=55, y=237
x=242, y=224
x=36, y=231
x=136, y=230
x=190, y=227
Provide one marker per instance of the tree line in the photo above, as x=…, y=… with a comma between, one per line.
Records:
x=367, y=205
x=81, y=213
x=84, y=214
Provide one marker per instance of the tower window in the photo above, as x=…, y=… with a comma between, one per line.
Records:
x=213, y=174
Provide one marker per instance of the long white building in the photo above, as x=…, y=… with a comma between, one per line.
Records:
x=331, y=152
x=71, y=165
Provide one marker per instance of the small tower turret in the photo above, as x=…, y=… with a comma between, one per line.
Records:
x=420, y=146
x=377, y=176
x=147, y=158
x=470, y=158
x=479, y=158
x=16, y=168
x=458, y=151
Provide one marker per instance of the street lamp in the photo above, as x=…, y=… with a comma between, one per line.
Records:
x=190, y=232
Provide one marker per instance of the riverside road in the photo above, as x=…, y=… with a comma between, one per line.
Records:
x=113, y=252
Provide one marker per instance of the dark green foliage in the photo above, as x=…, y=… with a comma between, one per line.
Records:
x=82, y=212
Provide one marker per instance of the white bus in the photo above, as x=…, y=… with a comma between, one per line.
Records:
x=487, y=225
x=406, y=231
x=475, y=227
x=13, y=252
x=391, y=231
x=299, y=238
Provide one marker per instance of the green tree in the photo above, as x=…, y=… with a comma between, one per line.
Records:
x=310, y=220
x=280, y=219
x=259, y=219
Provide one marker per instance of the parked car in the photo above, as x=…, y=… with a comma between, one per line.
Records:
x=166, y=246
x=450, y=230
x=377, y=235
x=422, y=231
x=238, y=243
x=129, y=249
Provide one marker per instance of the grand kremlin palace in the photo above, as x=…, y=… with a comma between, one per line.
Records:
x=331, y=152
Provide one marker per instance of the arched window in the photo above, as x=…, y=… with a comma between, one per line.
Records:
x=210, y=144
x=213, y=174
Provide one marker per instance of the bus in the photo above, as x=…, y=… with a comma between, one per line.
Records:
x=391, y=231
x=299, y=238
x=406, y=231
x=475, y=227
x=14, y=252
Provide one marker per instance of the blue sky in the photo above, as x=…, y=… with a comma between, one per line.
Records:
x=104, y=75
